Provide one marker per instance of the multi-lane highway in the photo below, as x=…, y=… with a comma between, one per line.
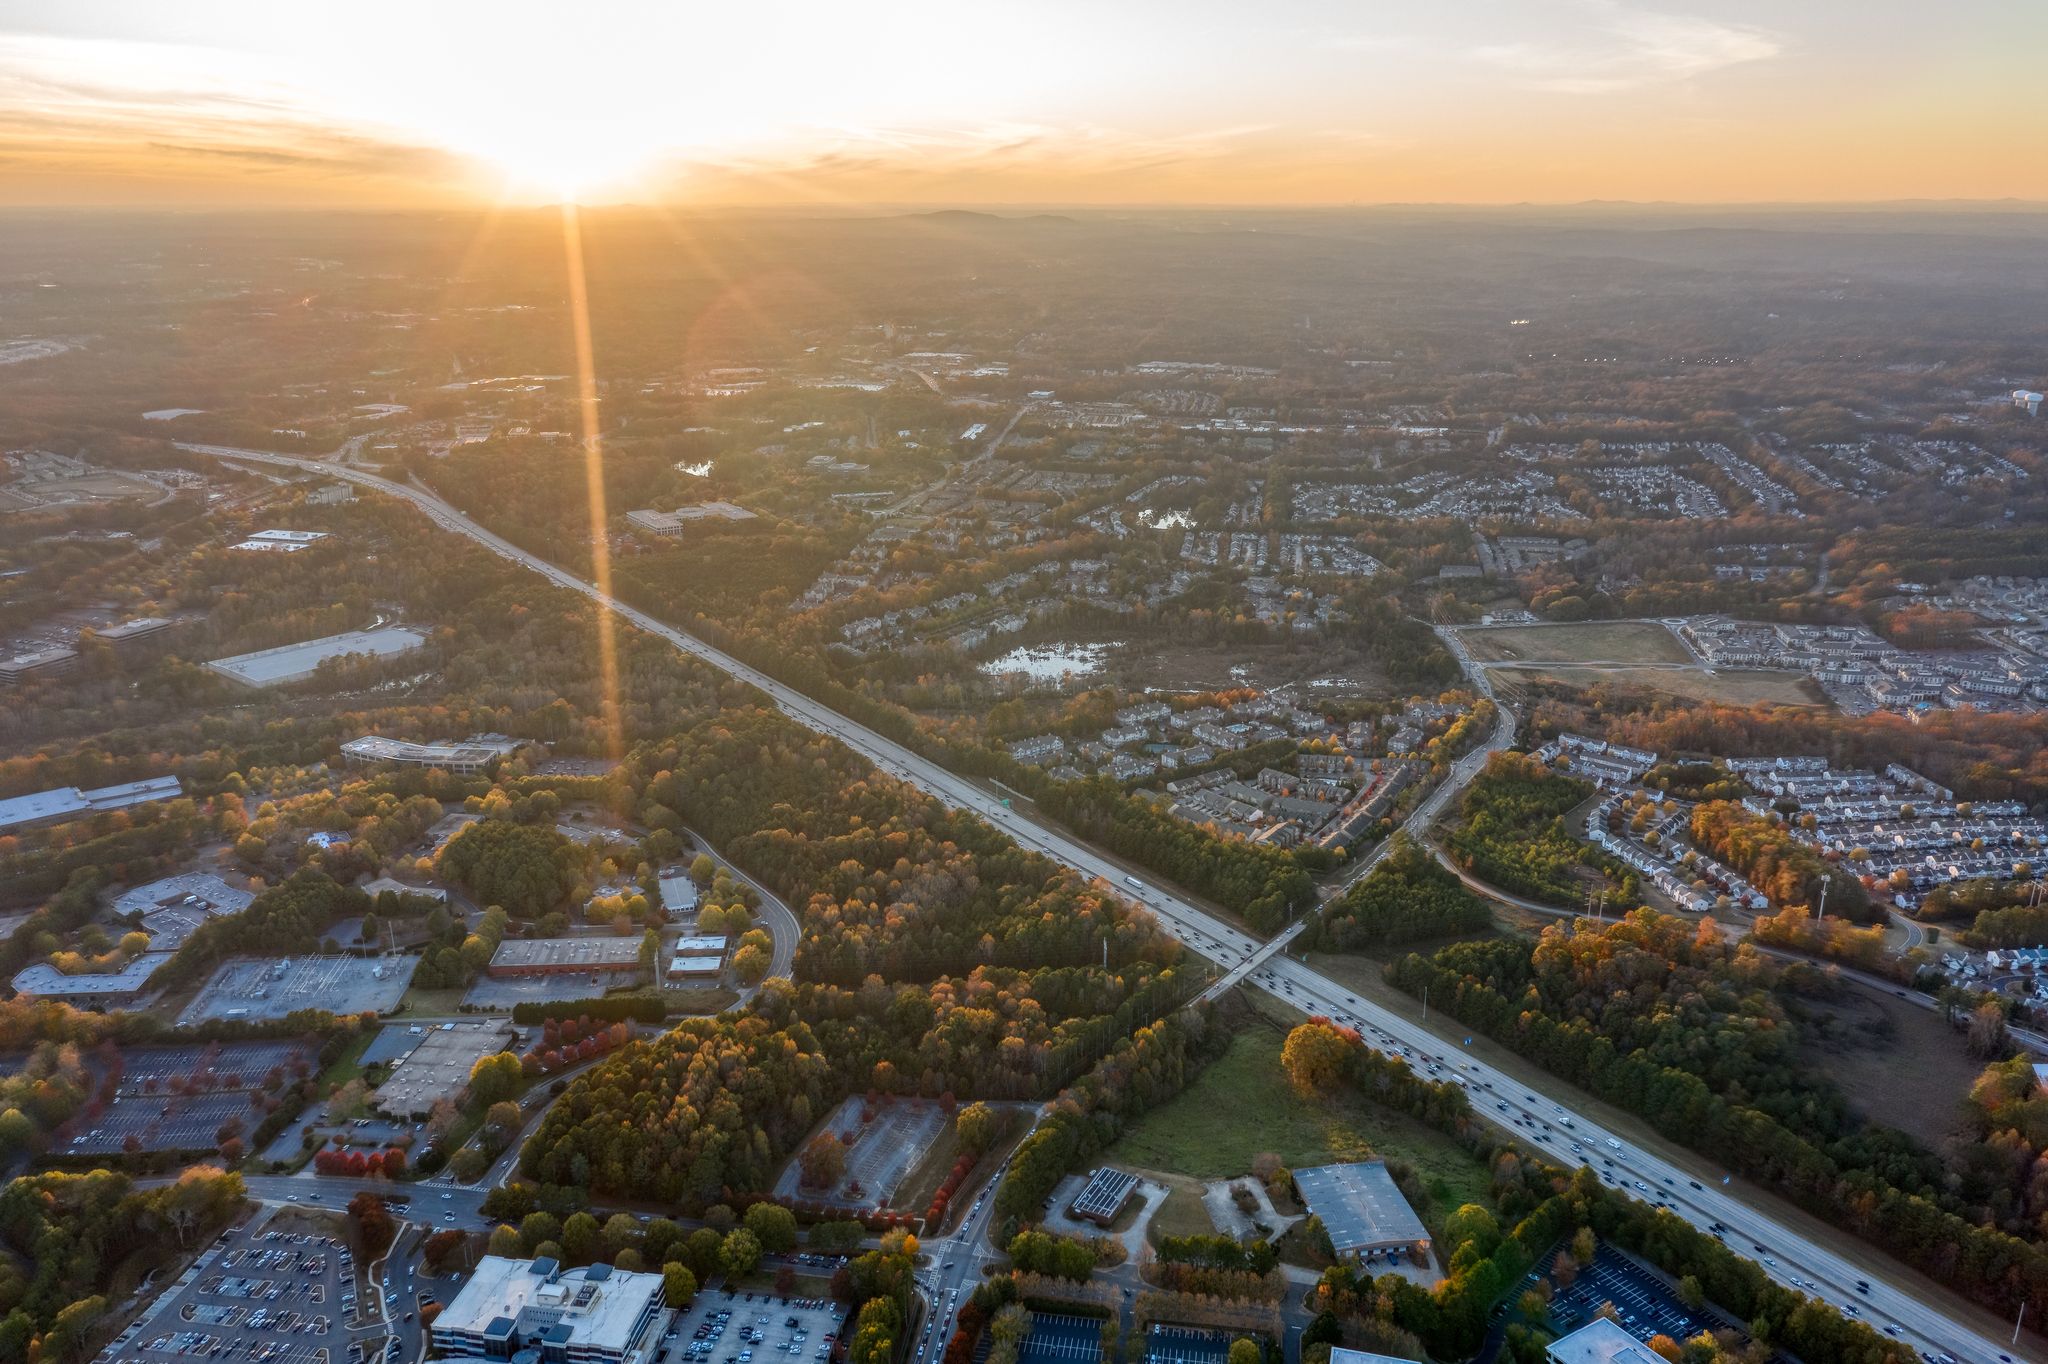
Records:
x=1791, y=1258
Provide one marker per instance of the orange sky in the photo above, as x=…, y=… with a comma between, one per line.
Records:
x=223, y=102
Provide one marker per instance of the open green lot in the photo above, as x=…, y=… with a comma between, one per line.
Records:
x=1620, y=641
x=1243, y=1105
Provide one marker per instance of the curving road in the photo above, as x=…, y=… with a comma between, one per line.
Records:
x=1545, y=1125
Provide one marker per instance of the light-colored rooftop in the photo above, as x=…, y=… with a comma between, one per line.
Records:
x=291, y=662
x=1600, y=1341
x=600, y=1305
x=678, y=894
x=47, y=982
x=595, y=953
x=1360, y=1206
x=208, y=890
x=67, y=801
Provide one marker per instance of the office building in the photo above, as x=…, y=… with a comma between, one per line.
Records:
x=536, y=1312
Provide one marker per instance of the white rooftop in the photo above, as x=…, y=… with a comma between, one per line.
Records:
x=1600, y=1341
x=290, y=662
x=600, y=1305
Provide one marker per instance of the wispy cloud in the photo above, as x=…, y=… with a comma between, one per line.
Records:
x=1625, y=49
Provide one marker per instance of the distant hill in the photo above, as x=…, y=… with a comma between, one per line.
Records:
x=966, y=217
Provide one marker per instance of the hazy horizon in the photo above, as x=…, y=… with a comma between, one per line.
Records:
x=1479, y=102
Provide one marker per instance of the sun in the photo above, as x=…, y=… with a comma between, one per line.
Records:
x=565, y=160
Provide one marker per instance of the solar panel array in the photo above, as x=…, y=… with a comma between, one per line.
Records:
x=1105, y=1194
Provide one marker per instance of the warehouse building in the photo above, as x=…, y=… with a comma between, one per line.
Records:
x=1363, y=1211
x=297, y=662
x=280, y=541
x=678, y=894
x=68, y=802
x=559, y=956
x=536, y=1311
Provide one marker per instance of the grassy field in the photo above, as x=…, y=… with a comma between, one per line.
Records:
x=349, y=1065
x=432, y=1002
x=1182, y=1214
x=1898, y=1063
x=1728, y=686
x=1242, y=1106
x=1625, y=641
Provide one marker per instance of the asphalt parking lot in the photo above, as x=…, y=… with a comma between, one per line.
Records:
x=752, y=1328
x=177, y=1098
x=1186, y=1345
x=1057, y=1338
x=1645, y=1304
x=261, y=1295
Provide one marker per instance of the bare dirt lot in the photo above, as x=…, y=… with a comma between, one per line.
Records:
x=1728, y=686
x=1619, y=641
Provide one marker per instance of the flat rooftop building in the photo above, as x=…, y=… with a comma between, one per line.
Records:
x=678, y=894
x=668, y=525
x=106, y=990
x=1340, y=1355
x=130, y=632
x=1362, y=1210
x=1599, y=1341
x=297, y=662
x=700, y=966
x=383, y=883
x=54, y=662
x=280, y=541
x=595, y=1315
x=68, y=802
x=468, y=758
x=438, y=1068
x=551, y=956
x=1102, y=1199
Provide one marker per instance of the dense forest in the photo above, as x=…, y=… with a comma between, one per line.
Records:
x=1511, y=833
x=1407, y=896
x=67, y=1234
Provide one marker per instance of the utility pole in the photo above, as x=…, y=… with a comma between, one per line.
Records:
x=1823, y=897
x=1425, y=1004
x=2016, y=1323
